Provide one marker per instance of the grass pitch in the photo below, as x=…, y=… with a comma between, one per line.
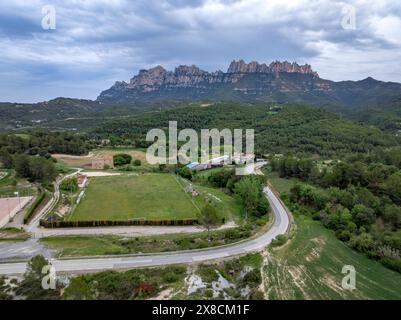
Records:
x=151, y=197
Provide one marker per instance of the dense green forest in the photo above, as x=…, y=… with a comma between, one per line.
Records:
x=30, y=153
x=278, y=129
x=359, y=198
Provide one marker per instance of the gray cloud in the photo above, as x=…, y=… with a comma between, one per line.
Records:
x=98, y=42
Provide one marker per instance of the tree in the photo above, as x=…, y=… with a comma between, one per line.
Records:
x=392, y=215
x=362, y=243
x=208, y=217
x=185, y=173
x=31, y=286
x=6, y=159
x=35, y=168
x=122, y=159
x=393, y=187
x=363, y=216
x=249, y=190
x=41, y=169
x=21, y=165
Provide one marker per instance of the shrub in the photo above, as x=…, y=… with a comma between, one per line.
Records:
x=185, y=173
x=279, y=240
x=170, y=277
x=137, y=162
x=70, y=185
x=252, y=278
x=394, y=264
x=208, y=273
x=122, y=159
x=29, y=214
x=256, y=295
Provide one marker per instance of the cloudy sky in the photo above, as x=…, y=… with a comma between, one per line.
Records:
x=97, y=42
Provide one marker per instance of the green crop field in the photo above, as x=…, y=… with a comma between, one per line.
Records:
x=152, y=196
x=310, y=265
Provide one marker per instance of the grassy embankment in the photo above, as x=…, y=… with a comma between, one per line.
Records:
x=309, y=266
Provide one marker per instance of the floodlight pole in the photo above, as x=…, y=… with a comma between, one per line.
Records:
x=8, y=206
x=19, y=199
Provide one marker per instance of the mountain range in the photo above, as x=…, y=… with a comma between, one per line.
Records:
x=369, y=100
x=280, y=82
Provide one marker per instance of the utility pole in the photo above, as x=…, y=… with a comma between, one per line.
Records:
x=8, y=206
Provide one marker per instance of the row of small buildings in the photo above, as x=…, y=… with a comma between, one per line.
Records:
x=220, y=161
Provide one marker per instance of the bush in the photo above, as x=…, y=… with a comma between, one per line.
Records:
x=185, y=173
x=122, y=159
x=29, y=214
x=392, y=264
x=207, y=273
x=137, y=163
x=170, y=277
x=70, y=185
x=252, y=278
x=279, y=240
x=256, y=295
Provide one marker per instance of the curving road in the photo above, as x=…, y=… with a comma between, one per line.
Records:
x=280, y=226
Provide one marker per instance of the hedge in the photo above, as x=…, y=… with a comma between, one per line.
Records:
x=29, y=214
x=109, y=223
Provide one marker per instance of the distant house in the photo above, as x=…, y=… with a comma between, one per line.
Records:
x=219, y=161
x=99, y=163
x=196, y=166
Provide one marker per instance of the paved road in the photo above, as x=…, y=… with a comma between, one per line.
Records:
x=280, y=226
x=21, y=250
x=33, y=226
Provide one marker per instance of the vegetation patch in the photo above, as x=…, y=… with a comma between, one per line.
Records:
x=13, y=234
x=310, y=265
x=107, y=244
x=30, y=213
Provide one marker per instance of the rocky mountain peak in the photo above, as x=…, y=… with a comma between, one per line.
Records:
x=149, y=77
x=189, y=71
x=275, y=67
x=191, y=80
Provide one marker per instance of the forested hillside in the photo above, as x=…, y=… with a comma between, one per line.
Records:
x=278, y=129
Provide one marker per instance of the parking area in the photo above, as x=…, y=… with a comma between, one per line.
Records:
x=10, y=206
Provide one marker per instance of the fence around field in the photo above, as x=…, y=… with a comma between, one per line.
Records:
x=114, y=223
x=9, y=192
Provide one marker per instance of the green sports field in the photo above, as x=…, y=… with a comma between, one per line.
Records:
x=151, y=197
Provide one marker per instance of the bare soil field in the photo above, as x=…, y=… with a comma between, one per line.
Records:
x=75, y=161
x=86, y=161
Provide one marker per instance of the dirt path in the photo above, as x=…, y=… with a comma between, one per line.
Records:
x=127, y=231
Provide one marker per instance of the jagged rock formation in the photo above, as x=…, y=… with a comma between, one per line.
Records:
x=278, y=81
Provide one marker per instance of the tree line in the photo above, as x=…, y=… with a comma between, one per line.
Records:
x=358, y=198
x=29, y=154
